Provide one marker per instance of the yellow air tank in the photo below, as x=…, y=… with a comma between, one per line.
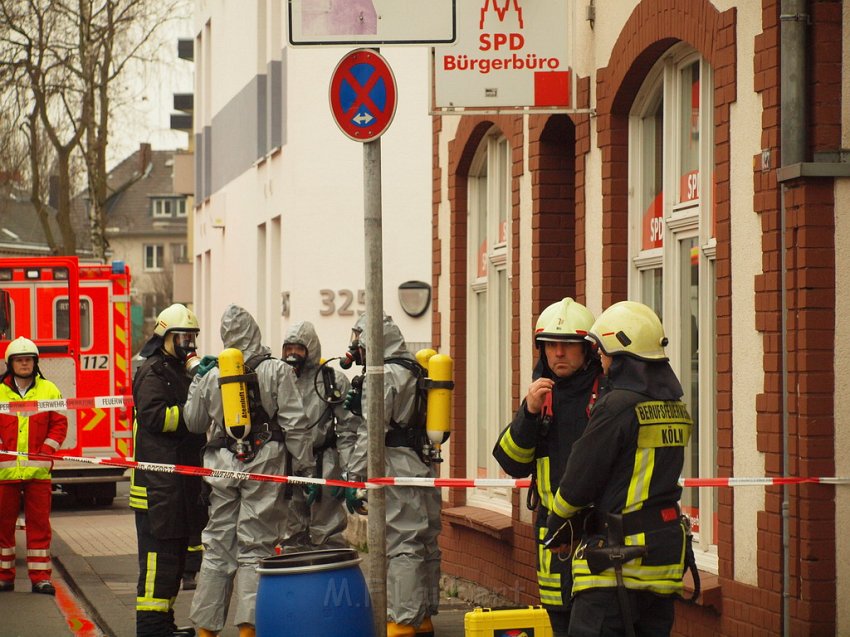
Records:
x=440, y=385
x=234, y=393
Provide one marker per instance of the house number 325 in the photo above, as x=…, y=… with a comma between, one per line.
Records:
x=340, y=302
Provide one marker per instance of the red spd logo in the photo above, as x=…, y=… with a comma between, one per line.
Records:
x=502, y=17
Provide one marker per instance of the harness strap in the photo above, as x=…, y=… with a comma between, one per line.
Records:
x=399, y=436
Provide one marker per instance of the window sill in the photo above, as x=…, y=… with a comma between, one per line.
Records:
x=490, y=523
x=710, y=590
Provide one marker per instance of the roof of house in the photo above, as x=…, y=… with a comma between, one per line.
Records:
x=133, y=183
x=20, y=230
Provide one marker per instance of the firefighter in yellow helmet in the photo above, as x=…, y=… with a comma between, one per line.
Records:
x=554, y=414
x=168, y=506
x=43, y=433
x=629, y=565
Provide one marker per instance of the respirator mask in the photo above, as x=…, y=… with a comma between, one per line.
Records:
x=185, y=349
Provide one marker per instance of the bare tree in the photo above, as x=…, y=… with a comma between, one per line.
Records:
x=62, y=58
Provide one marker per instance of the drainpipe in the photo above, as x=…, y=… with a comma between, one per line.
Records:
x=792, y=66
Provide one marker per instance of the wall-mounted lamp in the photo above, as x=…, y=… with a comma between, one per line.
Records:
x=415, y=297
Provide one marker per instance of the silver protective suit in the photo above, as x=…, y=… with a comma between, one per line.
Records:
x=334, y=430
x=413, y=513
x=245, y=515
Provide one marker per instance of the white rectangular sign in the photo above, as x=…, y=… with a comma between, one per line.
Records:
x=509, y=53
x=371, y=22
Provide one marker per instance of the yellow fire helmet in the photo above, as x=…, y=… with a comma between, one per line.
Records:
x=176, y=317
x=631, y=328
x=565, y=320
x=21, y=347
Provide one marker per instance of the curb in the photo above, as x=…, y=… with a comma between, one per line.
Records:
x=97, y=599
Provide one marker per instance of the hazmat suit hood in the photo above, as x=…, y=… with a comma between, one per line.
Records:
x=304, y=333
x=394, y=344
x=240, y=330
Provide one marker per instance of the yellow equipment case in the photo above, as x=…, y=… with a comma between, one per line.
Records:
x=516, y=622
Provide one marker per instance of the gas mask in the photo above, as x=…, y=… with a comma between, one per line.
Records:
x=356, y=354
x=185, y=349
x=294, y=355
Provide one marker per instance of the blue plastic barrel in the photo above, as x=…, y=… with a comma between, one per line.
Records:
x=312, y=594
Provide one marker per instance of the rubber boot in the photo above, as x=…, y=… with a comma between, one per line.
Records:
x=425, y=629
x=400, y=630
x=203, y=632
x=247, y=630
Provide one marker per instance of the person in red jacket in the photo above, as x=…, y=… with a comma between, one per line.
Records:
x=38, y=433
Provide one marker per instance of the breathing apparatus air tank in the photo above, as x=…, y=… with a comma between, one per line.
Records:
x=234, y=398
x=439, y=385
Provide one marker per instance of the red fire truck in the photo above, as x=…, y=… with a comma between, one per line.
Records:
x=78, y=315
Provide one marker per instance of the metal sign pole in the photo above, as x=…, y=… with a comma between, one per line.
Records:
x=377, y=523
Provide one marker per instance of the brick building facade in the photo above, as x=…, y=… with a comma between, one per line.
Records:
x=669, y=187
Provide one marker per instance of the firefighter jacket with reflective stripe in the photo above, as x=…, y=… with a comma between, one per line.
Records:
x=630, y=459
x=41, y=432
x=172, y=501
x=532, y=444
x=539, y=445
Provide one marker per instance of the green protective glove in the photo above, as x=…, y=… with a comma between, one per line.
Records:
x=355, y=500
x=312, y=491
x=353, y=401
x=206, y=364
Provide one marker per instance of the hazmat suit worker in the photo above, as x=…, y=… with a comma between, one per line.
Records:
x=553, y=415
x=317, y=518
x=245, y=515
x=632, y=555
x=42, y=432
x=413, y=513
x=168, y=506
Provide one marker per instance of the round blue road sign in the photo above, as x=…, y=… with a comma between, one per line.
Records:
x=363, y=95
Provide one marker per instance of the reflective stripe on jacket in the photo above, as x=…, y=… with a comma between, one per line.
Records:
x=629, y=460
x=41, y=432
x=160, y=435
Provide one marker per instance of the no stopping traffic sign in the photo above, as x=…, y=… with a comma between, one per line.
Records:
x=363, y=95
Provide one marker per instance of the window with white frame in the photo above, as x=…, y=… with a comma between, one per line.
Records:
x=168, y=207
x=671, y=176
x=154, y=257
x=489, y=314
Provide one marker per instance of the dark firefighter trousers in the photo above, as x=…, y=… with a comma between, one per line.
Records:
x=596, y=613
x=161, y=563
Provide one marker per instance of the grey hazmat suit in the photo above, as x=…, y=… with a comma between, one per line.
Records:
x=413, y=513
x=334, y=431
x=245, y=515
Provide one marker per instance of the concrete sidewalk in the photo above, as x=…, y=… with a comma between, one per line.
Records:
x=95, y=557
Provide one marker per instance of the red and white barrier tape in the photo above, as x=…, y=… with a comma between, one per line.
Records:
x=376, y=483
x=66, y=404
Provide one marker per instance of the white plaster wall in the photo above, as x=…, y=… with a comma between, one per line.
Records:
x=527, y=320
x=589, y=52
x=234, y=48
x=747, y=348
x=315, y=186
x=448, y=132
